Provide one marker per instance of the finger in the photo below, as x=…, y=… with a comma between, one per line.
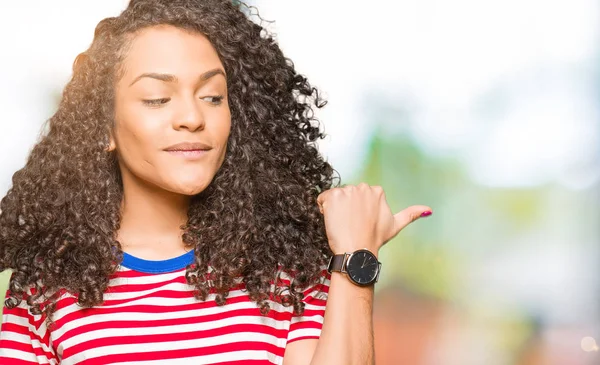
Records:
x=323, y=196
x=409, y=215
x=321, y=200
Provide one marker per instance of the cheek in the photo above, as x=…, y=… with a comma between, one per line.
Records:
x=224, y=134
x=225, y=127
x=136, y=137
x=219, y=128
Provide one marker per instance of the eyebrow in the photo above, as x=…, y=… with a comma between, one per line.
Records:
x=172, y=78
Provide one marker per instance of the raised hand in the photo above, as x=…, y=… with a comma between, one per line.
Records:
x=359, y=217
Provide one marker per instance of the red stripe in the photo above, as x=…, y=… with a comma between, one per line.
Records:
x=174, y=337
x=129, y=288
x=317, y=288
x=278, y=316
x=25, y=347
x=303, y=338
x=242, y=362
x=15, y=328
x=165, y=293
x=132, y=274
x=147, y=308
x=316, y=302
x=186, y=353
x=15, y=345
x=305, y=325
x=65, y=302
x=11, y=361
x=17, y=311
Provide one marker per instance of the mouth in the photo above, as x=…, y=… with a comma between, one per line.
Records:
x=191, y=154
x=190, y=150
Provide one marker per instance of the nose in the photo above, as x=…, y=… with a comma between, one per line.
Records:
x=190, y=116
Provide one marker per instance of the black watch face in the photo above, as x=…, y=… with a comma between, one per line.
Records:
x=362, y=267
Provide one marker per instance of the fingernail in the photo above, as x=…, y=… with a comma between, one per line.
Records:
x=426, y=214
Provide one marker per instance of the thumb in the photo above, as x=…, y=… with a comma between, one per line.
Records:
x=321, y=201
x=409, y=215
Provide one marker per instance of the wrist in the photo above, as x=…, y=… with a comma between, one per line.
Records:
x=361, y=266
x=349, y=246
x=342, y=284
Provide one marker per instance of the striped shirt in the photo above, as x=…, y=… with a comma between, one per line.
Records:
x=149, y=316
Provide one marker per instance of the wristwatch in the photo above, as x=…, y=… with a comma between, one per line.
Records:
x=361, y=266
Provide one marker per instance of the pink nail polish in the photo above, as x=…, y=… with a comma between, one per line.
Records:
x=426, y=214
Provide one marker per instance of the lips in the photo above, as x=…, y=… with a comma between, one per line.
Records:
x=189, y=147
x=190, y=151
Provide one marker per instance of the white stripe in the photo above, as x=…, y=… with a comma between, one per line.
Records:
x=179, y=287
x=17, y=337
x=315, y=318
x=148, y=279
x=149, y=300
x=303, y=332
x=175, y=345
x=314, y=307
x=176, y=329
x=174, y=287
x=24, y=356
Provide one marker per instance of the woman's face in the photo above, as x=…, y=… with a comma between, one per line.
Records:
x=172, y=117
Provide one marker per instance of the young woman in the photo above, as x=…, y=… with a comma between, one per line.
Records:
x=177, y=208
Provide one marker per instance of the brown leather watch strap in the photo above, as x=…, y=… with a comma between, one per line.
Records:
x=336, y=263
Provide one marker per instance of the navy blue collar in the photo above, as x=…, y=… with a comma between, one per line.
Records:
x=158, y=266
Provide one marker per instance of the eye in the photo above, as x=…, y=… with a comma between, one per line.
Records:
x=215, y=100
x=156, y=102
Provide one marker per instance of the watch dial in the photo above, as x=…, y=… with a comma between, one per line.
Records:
x=362, y=267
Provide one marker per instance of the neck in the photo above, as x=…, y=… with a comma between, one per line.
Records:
x=151, y=220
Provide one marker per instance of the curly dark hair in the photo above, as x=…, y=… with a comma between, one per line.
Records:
x=257, y=218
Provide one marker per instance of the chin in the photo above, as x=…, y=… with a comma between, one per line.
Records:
x=189, y=189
